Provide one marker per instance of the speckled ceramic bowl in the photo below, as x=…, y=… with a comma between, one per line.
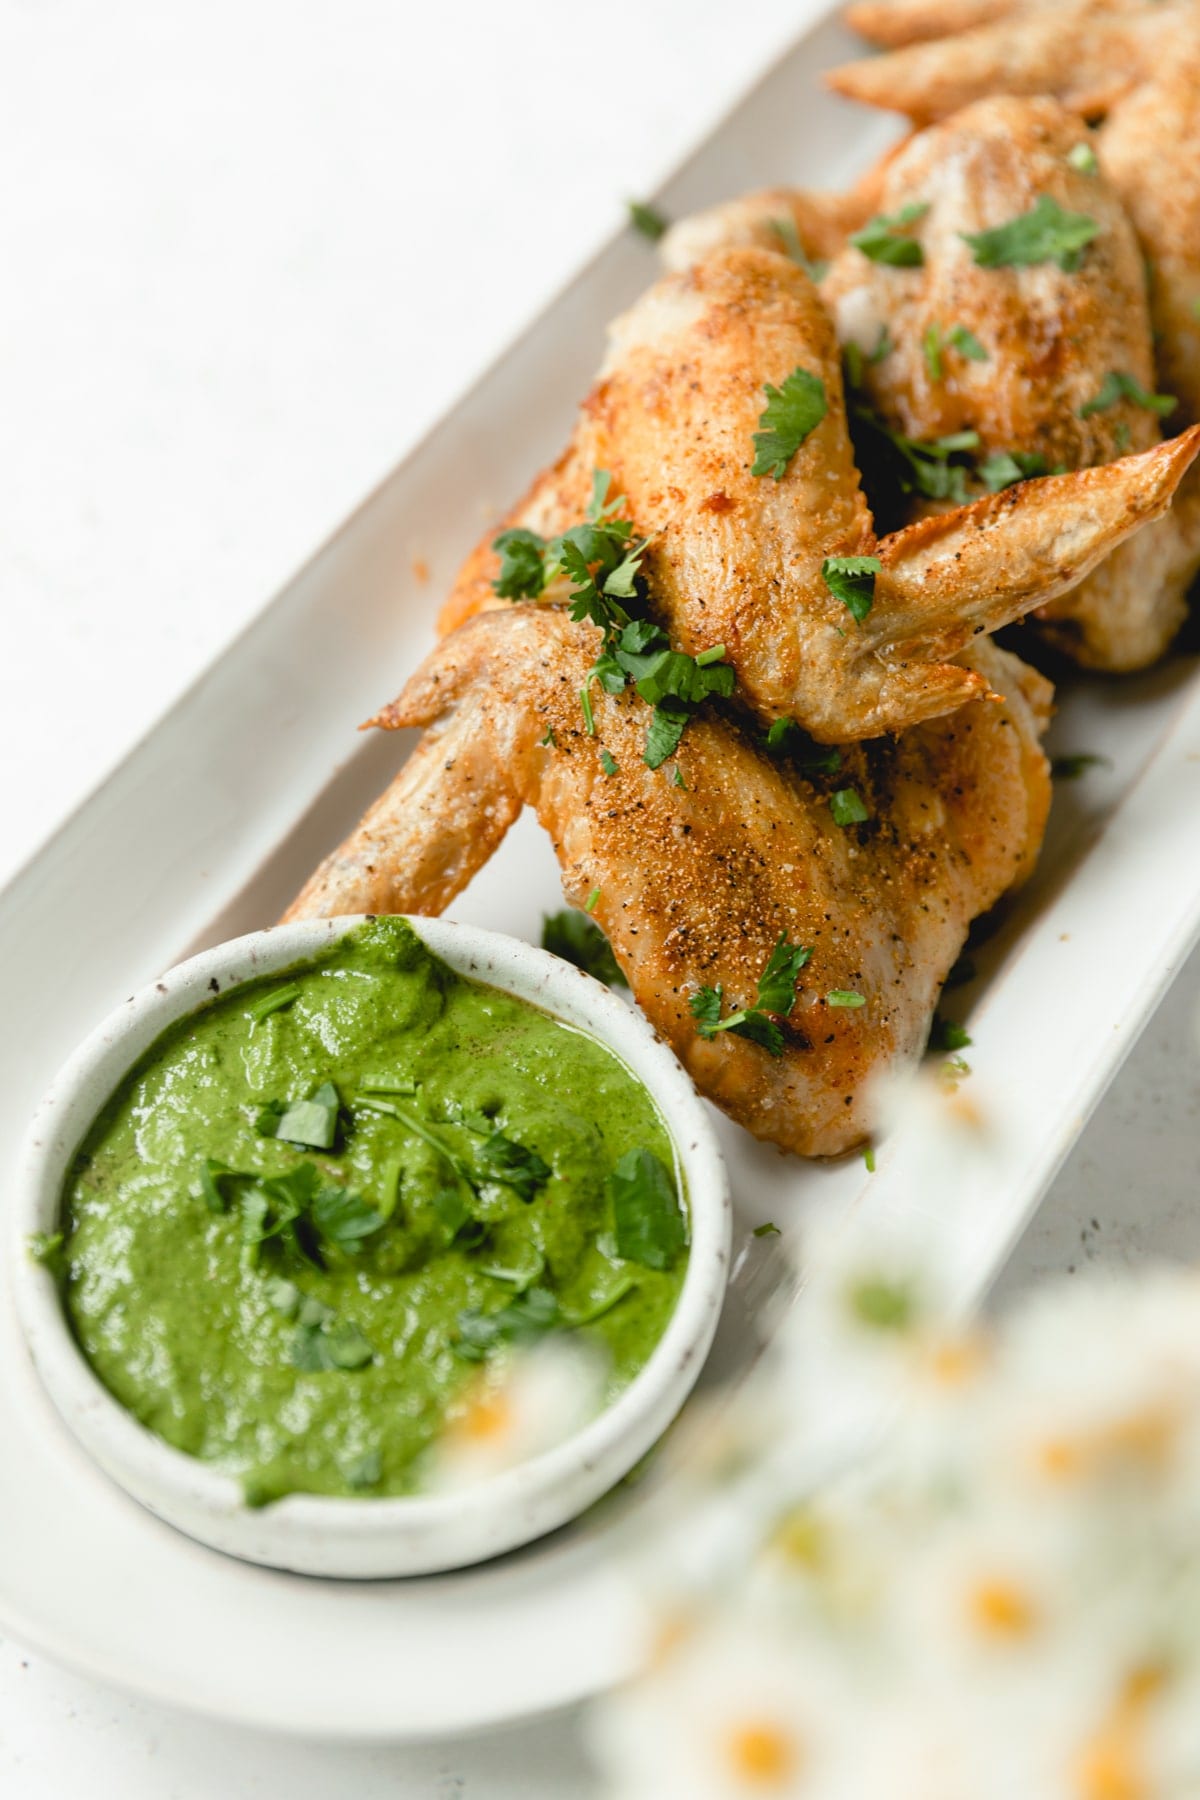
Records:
x=372, y=1537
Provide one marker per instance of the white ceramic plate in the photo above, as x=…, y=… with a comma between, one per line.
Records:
x=208, y=829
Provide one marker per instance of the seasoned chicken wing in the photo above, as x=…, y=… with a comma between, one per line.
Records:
x=894, y=23
x=1085, y=54
x=697, y=883
x=1045, y=364
x=736, y=559
x=1137, y=63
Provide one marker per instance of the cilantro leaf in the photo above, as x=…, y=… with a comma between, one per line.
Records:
x=1004, y=467
x=851, y=579
x=792, y=411
x=609, y=763
x=847, y=808
x=967, y=344
x=774, y=1000
x=945, y=1034
x=529, y=1316
x=522, y=564
x=1046, y=233
x=273, y=1001
x=777, y=983
x=706, y=1004
x=1071, y=767
x=647, y=219
x=579, y=940
x=1118, y=386
x=649, y=1222
x=886, y=239
x=320, y=1344
x=313, y=1122
x=345, y=1218
x=518, y=1167
x=787, y=738
x=789, y=239
x=1083, y=158
x=666, y=728
x=844, y=997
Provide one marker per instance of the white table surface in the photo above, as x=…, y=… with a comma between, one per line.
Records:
x=252, y=251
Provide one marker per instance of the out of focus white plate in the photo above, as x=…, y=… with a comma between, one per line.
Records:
x=209, y=828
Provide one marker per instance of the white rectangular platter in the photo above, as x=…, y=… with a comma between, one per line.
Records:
x=212, y=823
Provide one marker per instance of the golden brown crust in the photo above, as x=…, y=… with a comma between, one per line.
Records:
x=697, y=883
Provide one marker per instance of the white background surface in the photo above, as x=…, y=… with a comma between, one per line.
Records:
x=251, y=253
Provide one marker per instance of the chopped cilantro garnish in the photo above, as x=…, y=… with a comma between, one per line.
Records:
x=847, y=808
x=792, y=411
x=647, y=219
x=1046, y=233
x=273, y=1001
x=529, y=1316
x=609, y=763
x=1118, y=386
x=313, y=1122
x=513, y=1164
x=666, y=729
x=1004, y=467
x=844, y=997
x=946, y=1034
x=851, y=579
x=592, y=901
x=785, y=230
x=869, y=1158
x=766, y=1230
x=648, y=1220
x=321, y=1343
x=677, y=779
x=549, y=741
x=345, y=1219
x=1083, y=158
x=579, y=940
x=936, y=341
x=785, y=737
x=922, y=466
x=886, y=238
x=775, y=998
x=522, y=564
x=1072, y=766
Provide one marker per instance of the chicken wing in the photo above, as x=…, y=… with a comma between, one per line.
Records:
x=1137, y=63
x=697, y=883
x=736, y=559
x=1086, y=54
x=1049, y=365
x=894, y=23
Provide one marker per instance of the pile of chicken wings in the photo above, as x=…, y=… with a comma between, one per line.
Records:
x=734, y=647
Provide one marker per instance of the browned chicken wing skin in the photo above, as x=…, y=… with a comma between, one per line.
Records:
x=735, y=559
x=698, y=883
x=894, y=23
x=1051, y=337
x=1139, y=64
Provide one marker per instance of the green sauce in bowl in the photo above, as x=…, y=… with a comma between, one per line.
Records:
x=319, y=1208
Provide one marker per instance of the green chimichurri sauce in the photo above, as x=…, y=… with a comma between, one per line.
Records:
x=318, y=1208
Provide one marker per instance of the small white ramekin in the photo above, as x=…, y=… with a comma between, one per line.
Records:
x=315, y=1534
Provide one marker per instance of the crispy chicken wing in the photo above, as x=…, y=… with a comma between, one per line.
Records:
x=697, y=883
x=1042, y=345
x=1085, y=54
x=894, y=23
x=736, y=559
x=1137, y=63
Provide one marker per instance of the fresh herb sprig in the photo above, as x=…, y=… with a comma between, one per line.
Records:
x=793, y=411
x=1117, y=386
x=579, y=940
x=776, y=996
x=888, y=239
x=1046, y=233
